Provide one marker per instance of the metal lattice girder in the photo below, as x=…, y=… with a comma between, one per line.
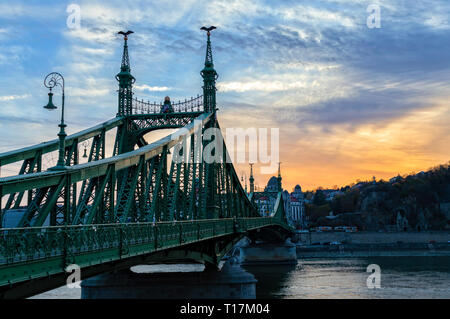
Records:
x=30, y=165
x=87, y=197
x=173, y=191
x=106, y=214
x=192, y=180
x=43, y=148
x=53, y=195
x=140, y=200
x=132, y=185
x=89, y=170
x=188, y=182
x=96, y=153
x=93, y=211
x=228, y=192
x=121, y=132
x=60, y=213
x=177, y=182
x=166, y=197
x=34, y=206
x=98, y=147
x=144, y=123
x=168, y=193
x=149, y=188
x=126, y=139
x=157, y=196
x=126, y=192
x=223, y=202
x=42, y=204
x=140, y=140
x=43, y=253
x=71, y=154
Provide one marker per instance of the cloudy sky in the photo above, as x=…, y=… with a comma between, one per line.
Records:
x=351, y=102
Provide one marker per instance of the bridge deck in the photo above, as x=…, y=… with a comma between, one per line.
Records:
x=31, y=253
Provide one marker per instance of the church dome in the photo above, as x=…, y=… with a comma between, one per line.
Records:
x=272, y=185
x=272, y=181
x=297, y=189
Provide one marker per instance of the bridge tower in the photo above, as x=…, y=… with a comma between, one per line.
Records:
x=209, y=76
x=252, y=180
x=125, y=140
x=280, y=189
x=125, y=79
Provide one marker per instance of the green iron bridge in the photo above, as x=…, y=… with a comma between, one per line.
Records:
x=138, y=206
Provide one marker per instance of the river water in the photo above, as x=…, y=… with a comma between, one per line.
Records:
x=400, y=277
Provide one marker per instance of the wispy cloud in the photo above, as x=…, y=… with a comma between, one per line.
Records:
x=349, y=101
x=13, y=97
x=145, y=87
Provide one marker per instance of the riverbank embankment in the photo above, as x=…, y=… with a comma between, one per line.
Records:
x=369, y=244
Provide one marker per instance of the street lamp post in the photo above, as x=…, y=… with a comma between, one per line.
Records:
x=51, y=80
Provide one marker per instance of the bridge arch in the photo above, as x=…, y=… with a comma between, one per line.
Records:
x=172, y=211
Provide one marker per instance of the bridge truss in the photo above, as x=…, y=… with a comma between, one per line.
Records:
x=139, y=205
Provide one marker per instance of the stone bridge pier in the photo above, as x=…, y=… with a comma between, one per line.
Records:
x=267, y=253
x=230, y=282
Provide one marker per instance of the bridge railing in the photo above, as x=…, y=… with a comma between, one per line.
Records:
x=46, y=147
x=195, y=104
x=110, y=241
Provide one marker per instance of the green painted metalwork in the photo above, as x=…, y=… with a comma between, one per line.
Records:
x=129, y=204
x=27, y=253
x=51, y=80
x=30, y=165
x=46, y=147
x=192, y=105
x=125, y=80
x=209, y=76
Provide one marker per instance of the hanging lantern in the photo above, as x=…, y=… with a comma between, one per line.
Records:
x=85, y=145
x=50, y=106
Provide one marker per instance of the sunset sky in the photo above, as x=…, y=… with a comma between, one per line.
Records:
x=350, y=102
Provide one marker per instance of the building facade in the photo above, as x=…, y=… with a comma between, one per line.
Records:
x=294, y=204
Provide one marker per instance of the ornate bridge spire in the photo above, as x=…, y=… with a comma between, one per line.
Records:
x=125, y=80
x=209, y=75
x=252, y=180
x=279, y=177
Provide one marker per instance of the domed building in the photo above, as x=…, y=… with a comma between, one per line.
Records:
x=297, y=193
x=294, y=203
x=272, y=185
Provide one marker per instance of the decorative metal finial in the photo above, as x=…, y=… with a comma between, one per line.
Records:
x=125, y=80
x=209, y=75
x=208, y=30
x=125, y=57
x=125, y=34
x=208, y=58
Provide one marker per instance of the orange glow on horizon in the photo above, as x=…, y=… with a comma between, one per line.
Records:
x=416, y=142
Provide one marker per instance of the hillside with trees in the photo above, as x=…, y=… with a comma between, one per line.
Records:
x=411, y=202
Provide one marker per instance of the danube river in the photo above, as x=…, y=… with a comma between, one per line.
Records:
x=400, y=277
